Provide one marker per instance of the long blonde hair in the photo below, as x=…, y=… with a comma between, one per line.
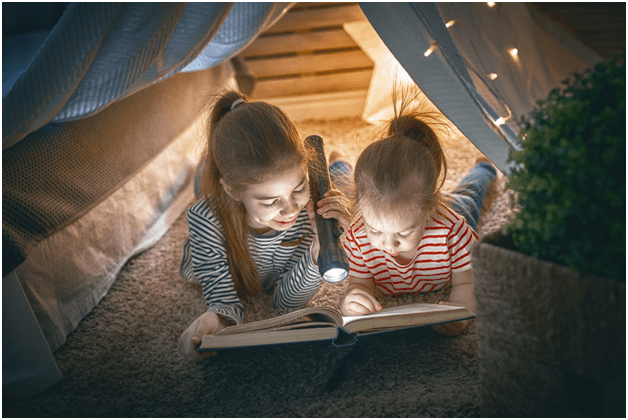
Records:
x=407, y=168
x=245, y=145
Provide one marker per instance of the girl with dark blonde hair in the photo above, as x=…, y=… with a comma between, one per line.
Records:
x=408, y=236
x=253, y=229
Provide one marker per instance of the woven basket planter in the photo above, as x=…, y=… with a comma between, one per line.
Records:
x=552, y=343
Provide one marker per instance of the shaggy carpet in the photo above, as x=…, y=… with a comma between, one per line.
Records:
x=123, y=359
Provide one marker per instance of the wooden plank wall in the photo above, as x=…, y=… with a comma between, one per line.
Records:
x=307, y=53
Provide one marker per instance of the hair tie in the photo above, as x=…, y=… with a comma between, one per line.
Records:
x=236, y=103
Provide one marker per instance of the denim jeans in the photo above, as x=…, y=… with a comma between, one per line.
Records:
x=341, y=174
x=468, y=196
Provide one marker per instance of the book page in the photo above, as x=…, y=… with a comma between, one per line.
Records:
x=266, y=337
x=406, y=316
x=315, y=315
x=302, y=325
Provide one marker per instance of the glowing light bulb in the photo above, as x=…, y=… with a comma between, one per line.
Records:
x=514, y=52
x=431, y=49
x=450, y=23
x=492, y=76
x=502, y=120
x=490, y=3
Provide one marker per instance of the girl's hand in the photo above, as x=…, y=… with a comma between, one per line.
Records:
x=451, y=328
x=208, y=323
x=461, y=295
x=358, y=301
x=333, y=205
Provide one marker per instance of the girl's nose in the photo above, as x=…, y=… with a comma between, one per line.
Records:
x=290, y=208
x=391, y=244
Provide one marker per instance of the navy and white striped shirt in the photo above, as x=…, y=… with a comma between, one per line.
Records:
x=283, y=259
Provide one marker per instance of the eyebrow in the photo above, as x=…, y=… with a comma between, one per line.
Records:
x=274, y=197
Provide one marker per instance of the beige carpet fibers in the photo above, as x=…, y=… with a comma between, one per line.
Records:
x=123, y=359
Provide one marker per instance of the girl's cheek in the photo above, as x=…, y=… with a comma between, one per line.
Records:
x=374, y=241
x=306, y=197
x=304, y=201
x=265, y=214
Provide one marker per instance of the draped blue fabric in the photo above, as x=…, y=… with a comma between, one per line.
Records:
x=102, y=52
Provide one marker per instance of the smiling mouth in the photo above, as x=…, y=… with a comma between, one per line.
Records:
x=288, y=222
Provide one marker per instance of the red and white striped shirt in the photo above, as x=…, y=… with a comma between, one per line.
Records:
x=444, y=249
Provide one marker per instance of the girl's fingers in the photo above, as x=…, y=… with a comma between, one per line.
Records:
x=451, y=329
x=333, y=214
x=333, y=209
x=329, y=201
x=364, y=300
x=358, y=309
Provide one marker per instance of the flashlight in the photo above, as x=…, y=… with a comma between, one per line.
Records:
x=332, y=259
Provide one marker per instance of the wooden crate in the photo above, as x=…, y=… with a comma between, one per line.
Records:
x=307, y=59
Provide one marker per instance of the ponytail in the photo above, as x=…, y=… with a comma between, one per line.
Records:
x=411, y=121
x=407, y=168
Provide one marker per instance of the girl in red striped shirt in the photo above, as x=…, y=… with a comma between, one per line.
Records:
x=408, y=236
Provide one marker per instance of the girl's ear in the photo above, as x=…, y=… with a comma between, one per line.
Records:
x=433, y=211
x=230, y=191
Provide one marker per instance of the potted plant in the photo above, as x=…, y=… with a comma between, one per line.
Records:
x=550, y=286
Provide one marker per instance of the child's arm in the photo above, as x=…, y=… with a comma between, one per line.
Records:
x=301, y=279
x=211, y=264
x=461, y=294
x=359, y=297
x=211, y=267
x=208, y=323
x=300, y=282
x=462, y=289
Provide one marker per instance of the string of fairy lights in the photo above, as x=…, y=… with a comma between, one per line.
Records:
x=491, y=76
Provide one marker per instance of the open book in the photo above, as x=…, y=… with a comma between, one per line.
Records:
x=325, y=323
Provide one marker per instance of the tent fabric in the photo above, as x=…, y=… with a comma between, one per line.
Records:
x=70, y=270
x=58, y=173
x=102, y=52
x=441, y=76
x=454, y=76
x=484, y=35
x=67, y=272
x=18, y=51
